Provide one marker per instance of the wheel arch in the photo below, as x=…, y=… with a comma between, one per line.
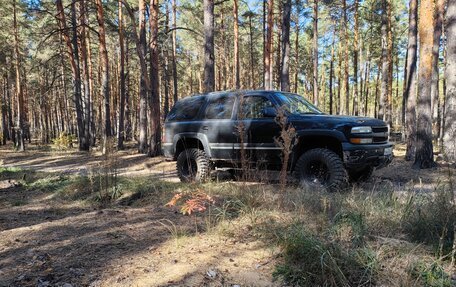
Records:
x=190, y=140
x=307, y=141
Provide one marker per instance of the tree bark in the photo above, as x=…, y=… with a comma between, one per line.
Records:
x=355, y=61
x=73, y=56
x=20, y=145
x=385, y=69
x=236, y=63
x=154, y=103
x=175, y=87
x=435, y=95
x=267, y=52
x=122, y=88
x=105, y=88
x=346, y=71
x=315, y=52
x=450, y=76
x=209, y=68
x=424, y=149
x=285, y=73
x=410, y=81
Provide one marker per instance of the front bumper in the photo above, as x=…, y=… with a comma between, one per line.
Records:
x=357, y=156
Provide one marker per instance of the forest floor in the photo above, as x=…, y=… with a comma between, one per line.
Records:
x=57, y=227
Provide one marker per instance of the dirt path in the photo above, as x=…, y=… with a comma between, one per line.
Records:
x=47, y=242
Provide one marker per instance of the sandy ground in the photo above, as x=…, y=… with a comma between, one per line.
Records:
x=44, y=242
x=49, y=243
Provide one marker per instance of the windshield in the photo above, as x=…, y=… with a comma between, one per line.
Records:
x=297, y=105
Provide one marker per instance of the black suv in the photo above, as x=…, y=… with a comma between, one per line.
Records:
x=218, y=130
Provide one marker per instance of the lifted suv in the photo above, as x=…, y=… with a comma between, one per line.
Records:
x=202, y=132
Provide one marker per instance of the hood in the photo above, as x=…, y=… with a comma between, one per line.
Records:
x=324, y=121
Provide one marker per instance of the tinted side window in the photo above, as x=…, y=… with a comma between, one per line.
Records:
x=185, y=109
x=253, y=107
x=220, y=108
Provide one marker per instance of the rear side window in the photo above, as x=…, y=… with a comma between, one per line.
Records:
x=185, y=109
x=220, y=108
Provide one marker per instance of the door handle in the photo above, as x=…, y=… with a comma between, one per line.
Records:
x=205, y=128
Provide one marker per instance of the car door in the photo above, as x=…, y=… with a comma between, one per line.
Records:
x=260, y=129
x=218, y=126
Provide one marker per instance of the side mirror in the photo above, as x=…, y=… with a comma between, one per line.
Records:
x=269, y=112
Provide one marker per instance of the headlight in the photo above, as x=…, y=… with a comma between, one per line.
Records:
x=361, y=140
x=361, y=130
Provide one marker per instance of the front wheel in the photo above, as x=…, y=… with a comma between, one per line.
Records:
x=193, y=165
x=321, y=167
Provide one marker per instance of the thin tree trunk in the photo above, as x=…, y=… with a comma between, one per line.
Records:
x=346, y=71
x=435, y=96
x=175, y=91
x=355, y=61
x=20, y=146
x=155, y=117
x=450, y=76
x=236, y=69
x=285, y=73
x=105, y=88
x=410, y=81
x=209, y=68
x=331, y=72
x=296, y=80
x=424, y=150
x=267, y=53
x=120, y=128
x=315, y=52
x=384, y=85
x=73, y=57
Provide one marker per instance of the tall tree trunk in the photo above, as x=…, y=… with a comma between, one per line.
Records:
x=84, y=47
x=410, y=81
x=155, y=117
x=144, y=81
x=121, y=124
x=315, y=52
x=175, y=91
x=20, y=146
x=385, y=69
x=285, y=73
x=105, y=88
x=209, y=68
x=252, y=68
x=435, y=96
x=236, y=69
x=331, y=72
x=355, y=61
x=450, y=76
x=389, y=98
x=267, y=53
x=298, y=14
x=346, y=71
x=73, y=56
x=424, y=150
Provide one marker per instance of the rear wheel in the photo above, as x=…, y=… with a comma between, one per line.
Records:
x=193, y=165
x=321, y=167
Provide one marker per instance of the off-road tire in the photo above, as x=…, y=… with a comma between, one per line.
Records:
x=336, y=177
x=360, y=175
x=193, y=165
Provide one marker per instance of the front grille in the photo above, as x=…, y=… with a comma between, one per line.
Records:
x=380, y=134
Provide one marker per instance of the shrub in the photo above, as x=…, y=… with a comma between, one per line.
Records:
x=64, y=141
x=431, y=218
x=430, y=274
x=309, y=261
